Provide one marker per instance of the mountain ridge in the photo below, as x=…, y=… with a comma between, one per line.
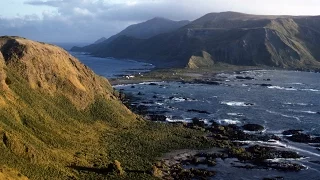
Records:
x=229, y=37
x=144, y=30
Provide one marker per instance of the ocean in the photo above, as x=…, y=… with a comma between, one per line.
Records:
x=278, y=100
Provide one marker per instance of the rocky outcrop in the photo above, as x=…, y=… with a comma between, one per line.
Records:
x=203, y=60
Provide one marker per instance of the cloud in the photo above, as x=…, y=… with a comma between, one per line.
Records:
x=87, y=20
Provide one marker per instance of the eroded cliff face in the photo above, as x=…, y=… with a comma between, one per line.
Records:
x=3, y=85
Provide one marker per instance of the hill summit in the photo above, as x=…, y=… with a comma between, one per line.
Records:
x=53, y=109
x=144, y=30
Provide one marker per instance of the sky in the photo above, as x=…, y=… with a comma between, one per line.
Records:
x=84, y=21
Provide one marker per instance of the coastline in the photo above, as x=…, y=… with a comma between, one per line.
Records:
x=183, y=74
x=230, y=138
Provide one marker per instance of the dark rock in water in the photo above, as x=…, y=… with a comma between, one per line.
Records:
x=286, y=166
x=177, y=172
x=203, y=159
x=274, y=178
x=153, y=84
x=198, y=111
x=316, y=140
x=259, y=154
x=155, y=97
x=318, y=112
x=265, y=85
x=159, y=112
x=198, y=122
x=244, y=78
x=141, y=109
x=300, y=137
x=262, y=153
x=318, y=149
x=249, y=104
x=133, y=87
x=140, y=93
x=156, y=117
x=267, y=79
x=253, y=127
x=147, y=102
x=292, y=131
x=209, y=82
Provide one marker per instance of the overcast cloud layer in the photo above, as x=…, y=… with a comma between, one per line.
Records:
x=88, y=20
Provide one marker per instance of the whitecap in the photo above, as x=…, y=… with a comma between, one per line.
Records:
x=284, y=115
x=151, y=82
x=282, y=88
x=235, y=103
x=286, y=159
x=178, y=99
x=169, y=119
x=123, y=85
x=235, y=114
x=278, y=144
x=311, y=90
x=307, y=112
x=300, y=104
x=228, y=121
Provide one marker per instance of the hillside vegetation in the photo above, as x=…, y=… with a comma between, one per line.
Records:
x=58, y=120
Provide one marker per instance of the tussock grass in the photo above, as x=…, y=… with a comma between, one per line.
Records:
x=58, y=120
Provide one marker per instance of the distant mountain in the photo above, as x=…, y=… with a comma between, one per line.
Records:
x=100, y=40
x=142, y=30
x=229, y=37
x=151, y=28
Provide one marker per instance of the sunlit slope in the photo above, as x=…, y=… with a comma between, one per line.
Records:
x=53, y=110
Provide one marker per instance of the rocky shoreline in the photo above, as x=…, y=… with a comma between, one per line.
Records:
x=230, y=143
x=229, y=140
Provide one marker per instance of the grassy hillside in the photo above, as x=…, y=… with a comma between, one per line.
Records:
x=58, y=120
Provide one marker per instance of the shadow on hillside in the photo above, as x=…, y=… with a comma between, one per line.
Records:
x=91, y=169
x=103, y=170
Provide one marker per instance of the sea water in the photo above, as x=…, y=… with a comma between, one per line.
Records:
x=291, y=100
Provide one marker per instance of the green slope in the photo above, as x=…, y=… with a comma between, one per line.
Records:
x=58, y=120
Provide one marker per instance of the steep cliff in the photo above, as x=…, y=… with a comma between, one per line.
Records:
x=229, y=37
